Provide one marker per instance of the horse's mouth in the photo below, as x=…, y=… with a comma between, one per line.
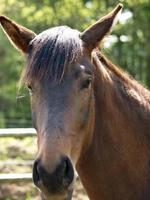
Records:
x=67, y=196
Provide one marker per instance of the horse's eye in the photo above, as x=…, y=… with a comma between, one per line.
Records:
x=86, y=83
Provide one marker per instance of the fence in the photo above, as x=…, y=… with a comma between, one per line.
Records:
x=17, y=133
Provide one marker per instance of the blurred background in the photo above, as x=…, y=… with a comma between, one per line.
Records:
x=128, y=47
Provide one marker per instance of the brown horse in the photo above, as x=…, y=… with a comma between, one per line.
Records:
x=88, y=114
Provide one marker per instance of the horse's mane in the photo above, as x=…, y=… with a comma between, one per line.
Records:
x=126, y=80
x=50, y=53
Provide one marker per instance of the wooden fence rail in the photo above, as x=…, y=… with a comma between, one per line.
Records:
x=17, y=132
x=16, y=177
x=16, y=162
x=9, y=178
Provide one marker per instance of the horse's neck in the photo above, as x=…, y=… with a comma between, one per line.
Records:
x=116, y=166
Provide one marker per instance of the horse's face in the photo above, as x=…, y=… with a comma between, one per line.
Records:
x=59, y=75
x=63, y=115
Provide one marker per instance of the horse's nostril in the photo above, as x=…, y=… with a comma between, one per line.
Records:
x=68, y=173
x=36, y=175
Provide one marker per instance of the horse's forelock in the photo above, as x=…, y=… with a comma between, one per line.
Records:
x=51, y=52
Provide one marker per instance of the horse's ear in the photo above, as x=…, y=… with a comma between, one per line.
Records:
x=95, y=33
x=17, y=34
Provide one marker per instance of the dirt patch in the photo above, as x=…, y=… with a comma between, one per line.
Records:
x=22, y=191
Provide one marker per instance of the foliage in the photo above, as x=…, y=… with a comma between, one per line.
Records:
x=130, y=49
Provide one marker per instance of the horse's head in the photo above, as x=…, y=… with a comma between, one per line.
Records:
x=60, y=77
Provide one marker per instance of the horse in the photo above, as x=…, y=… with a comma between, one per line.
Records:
x=90, y=116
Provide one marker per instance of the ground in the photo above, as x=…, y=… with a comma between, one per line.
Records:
x=13, y=152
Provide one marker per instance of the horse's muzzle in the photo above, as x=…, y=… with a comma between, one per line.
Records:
x=57, y=182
